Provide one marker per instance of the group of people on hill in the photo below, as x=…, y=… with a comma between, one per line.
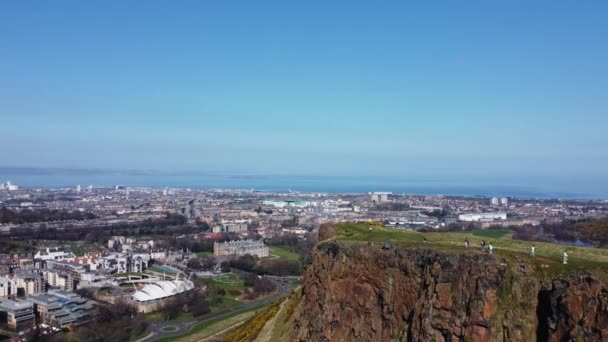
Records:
x=490, y=248
x=483, y=245
x=564, y=254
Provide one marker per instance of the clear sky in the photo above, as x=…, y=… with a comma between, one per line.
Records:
x=468, y=88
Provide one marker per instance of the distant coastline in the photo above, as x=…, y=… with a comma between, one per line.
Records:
x=61, y=178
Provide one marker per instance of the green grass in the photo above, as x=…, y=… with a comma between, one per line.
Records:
x=157, y=316
x=78, y=251
x=202, y=326
x=206, y=253
x=284, y=252
x=580, y=258
x=361, y=232
x=230, y=282
x=156, y=269
x=491, y=234
x=169, y=329
x=227, y=301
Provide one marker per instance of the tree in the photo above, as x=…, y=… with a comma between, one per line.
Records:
x=200, y=308
x=225, y=266
x=246, y=263
x=194, y=263
x=208, y=262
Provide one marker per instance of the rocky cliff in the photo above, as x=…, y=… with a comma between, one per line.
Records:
x=356, y=291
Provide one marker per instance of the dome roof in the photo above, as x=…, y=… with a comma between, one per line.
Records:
x=162, y=289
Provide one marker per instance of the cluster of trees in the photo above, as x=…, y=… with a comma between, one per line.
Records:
x=278, y=267
x=259, y=286
x=530, y=233
x=197, y=246
x=193, y=302
x=118, y=322
x=567, y=230
x=593, y=231
x=168, y=225
x=41, y=215
x=205, y=263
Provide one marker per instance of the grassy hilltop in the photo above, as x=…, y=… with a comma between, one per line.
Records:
x=548, y=255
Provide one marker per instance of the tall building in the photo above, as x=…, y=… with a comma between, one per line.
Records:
x=378, y=197
x=494, y=201
x=504, y=201
x=78, y=189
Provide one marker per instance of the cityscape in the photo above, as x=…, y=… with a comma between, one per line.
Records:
x=66, y=251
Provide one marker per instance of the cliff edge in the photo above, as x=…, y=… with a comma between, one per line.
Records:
x=357, y=291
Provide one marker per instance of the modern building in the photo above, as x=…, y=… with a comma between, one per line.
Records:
x=378, y=197
x=26, y=282
x=18, y=315
x=495, y=201
x=124, y=263
x=504, y=201
x=54, y=253
x=482, y=217
x=162, y=289
x=61, y=308
x=241, y=247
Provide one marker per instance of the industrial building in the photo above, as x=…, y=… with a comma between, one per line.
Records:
x=482, y=217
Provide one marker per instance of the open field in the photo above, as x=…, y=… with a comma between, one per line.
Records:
x=230, y=282
x=547, y=254
x=284, y=252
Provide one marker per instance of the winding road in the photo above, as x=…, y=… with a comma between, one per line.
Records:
x=161, y=329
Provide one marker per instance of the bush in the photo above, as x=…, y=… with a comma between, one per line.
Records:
x=200, y=308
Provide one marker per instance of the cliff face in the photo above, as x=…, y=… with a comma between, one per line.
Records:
x=360, y=292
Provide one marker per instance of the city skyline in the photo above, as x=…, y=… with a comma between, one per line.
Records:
x=410, y=91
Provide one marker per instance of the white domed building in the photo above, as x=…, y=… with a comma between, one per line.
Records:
x=162, y=289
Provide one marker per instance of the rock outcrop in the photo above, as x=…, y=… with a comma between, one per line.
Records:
x=358, y=292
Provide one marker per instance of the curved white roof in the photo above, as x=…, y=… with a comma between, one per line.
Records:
x=162, y=289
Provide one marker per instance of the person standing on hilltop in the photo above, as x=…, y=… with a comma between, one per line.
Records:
x=490, y=248
x=533, y=250
x=565, y=257
x=466, y=243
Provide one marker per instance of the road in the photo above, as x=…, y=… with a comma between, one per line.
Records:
x=157, y=329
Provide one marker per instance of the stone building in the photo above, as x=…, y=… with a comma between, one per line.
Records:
x=241, y=247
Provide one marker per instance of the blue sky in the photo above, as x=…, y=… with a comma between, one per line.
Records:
x=463, y=89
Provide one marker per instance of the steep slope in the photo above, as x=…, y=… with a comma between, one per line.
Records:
x=356, y=291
